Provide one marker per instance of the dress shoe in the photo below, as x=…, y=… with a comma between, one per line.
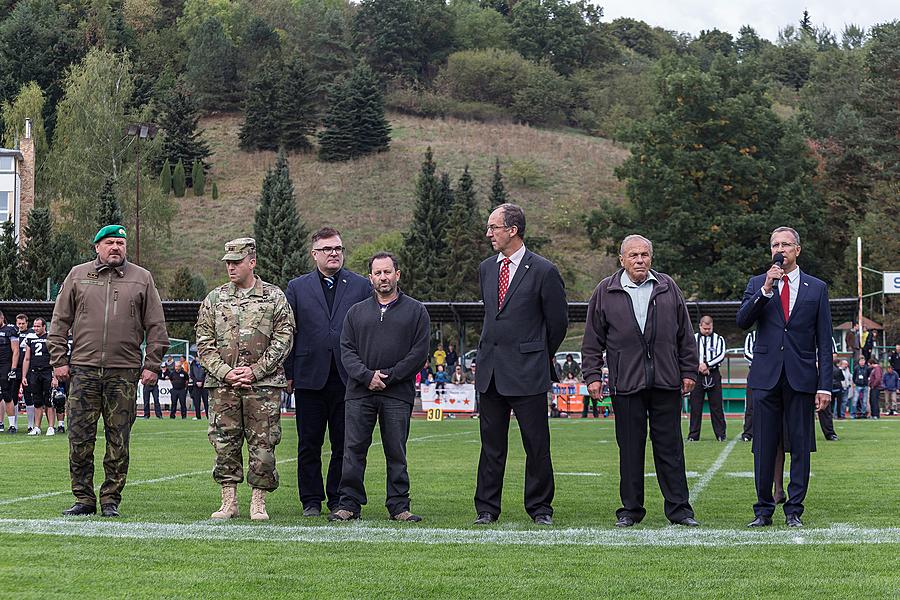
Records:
x=780, y=498
x=543, y=520
x=687, y=522
x=312, y=511
x=746, y=438
x=832, y=438
x=760, y=522
x=793, y=521
x=690, y=439
x=485, y=518
x=78, y=509
x=109, y=510
x=720, y=439
x=342, y=514
x=406, y=516
x=625, y=521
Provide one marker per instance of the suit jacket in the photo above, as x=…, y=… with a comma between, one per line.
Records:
x=793, y=346
x=318, y=338
x=519, y=339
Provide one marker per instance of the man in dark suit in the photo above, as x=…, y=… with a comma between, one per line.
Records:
x=320, y=300
x=793, y=320
x=525, y=321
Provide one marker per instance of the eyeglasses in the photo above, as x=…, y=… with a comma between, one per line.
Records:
x=493, y=228
x=330, y=249
x=785, y=245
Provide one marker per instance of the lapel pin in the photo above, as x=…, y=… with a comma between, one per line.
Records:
x=806, y=284
x=343, y=281
x=527, y=266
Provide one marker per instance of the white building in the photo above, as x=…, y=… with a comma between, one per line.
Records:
x=17, y=182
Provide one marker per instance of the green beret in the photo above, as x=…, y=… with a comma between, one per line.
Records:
x=110, y=231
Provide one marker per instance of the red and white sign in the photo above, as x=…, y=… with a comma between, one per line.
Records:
x=453, y=398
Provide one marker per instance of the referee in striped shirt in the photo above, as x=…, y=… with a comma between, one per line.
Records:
x=711, y=347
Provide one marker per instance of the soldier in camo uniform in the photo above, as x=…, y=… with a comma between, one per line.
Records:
x=245, y=330
x=110, y=305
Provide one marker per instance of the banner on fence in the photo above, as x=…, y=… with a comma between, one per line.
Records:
x=453, y=398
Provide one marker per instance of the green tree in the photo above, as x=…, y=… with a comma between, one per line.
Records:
x=498, y=189
x=215, y=190
x=477, y=28
x=37, y=255
x=28, y=104
x=108, y=210
x=424, y=244
x=561, y=31
x=199, y=179
x=212, y=67
x=710, y=175
x=385, y=34
x=465, y=242
x=9, y=262
x=880, y=97
x=182, y=138
x=355, y=124
x=322, y=33
x=178, y=180
x=165, y=178
x=282, y=249
x=296, y=105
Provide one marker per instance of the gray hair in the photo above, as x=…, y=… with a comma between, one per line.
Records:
x=513, y=216
x=631, y=238
x=790, y=230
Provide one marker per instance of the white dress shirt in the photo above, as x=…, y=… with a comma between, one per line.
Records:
x=793, y=287
x=516, y=258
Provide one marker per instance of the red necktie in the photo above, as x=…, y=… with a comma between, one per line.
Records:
x=786, y=297
x=503, y=282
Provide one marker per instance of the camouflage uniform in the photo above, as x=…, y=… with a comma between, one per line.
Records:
x=253, y=328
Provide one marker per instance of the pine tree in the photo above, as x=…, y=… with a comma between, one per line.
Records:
x=498, y=190
x=178, y=180
x=165, y=178
x=424, y=245
x=179, y=118
x=109, y=212
x=465, y=242
x=296, y=107
x=260, y=129
x=282, y=251
x=355, y=124
x=215, y=190
x=37, y=255
x=67, y=252
x=199, y=179
x=212, y=67
x=9, y=262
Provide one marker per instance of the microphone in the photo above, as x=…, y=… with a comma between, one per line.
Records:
x=778, y=259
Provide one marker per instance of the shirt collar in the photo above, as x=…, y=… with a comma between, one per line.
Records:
x=100, y=267
x=793, y=275
x=628, y=283
x=322, y=275
x=515, y=257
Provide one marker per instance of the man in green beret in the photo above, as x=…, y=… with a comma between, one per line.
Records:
x=110, y=306
x=245, y=330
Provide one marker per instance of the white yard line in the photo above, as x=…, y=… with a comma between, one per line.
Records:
x=710, y=473
x=360, y=532
x=6, y=501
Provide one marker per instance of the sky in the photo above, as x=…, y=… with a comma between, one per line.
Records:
x=765, y=16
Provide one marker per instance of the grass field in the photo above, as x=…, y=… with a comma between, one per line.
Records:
x=164, y=546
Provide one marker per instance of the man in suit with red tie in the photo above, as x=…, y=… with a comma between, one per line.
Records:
x=793, y=319
x=525, y=321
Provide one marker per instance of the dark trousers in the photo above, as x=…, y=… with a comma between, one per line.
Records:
x=714, y=394
x=178, y=397
x=200, y=395
x=316, y=411
x=588, y=402
x=662, y=409
x=875, y=403
x=776, y=407
x=151, y=390
x=826, y=419
x=748, y=415
x=393, y=418
x=531, y=415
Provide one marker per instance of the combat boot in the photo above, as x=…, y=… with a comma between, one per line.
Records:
x=258, y=505
x=229, y=508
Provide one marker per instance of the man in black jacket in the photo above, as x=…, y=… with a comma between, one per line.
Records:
x=384, y=343
x=525, y=320
x=639, y=319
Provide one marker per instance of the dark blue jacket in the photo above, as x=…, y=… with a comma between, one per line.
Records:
x=793, y=346
x=318, y=337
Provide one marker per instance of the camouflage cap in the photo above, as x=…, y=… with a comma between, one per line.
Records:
x=110, y=231
x=239, y=248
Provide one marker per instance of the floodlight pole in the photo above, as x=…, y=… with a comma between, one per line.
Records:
x=859, y=288
x=139, y=131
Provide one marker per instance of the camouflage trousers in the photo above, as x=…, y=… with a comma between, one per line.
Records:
x=110, y=393
x=254, y=414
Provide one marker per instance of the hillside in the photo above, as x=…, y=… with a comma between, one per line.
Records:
x=557, y=177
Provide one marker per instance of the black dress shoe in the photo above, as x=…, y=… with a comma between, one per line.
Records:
x=79, y=509
x=832, y=438
x=746, y=438
x=760, y=522
x=793, y=521
x=720, y=439
x=624, y=522
x=543, y=520
x=485, y=518
x=687, y=522
x=312, y=510
x=690, y=439
x=109, y=510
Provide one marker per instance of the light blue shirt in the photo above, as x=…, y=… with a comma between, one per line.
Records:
x=640, y=296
